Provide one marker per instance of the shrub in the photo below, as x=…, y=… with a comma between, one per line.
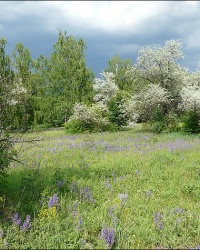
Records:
x=158, y=122
x=191, y=122
x=7, y=153
x=173, y=122
x=87, y=119
x=115, y=113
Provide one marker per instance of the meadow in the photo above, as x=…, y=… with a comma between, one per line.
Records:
x=120, y=190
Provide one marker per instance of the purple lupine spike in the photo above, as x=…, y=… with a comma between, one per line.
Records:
x=26, y=224
x=158, y=219
x=85, y=190
x=16, y=220
x=80, y=222
x=53, y=201
x=148, y=193
x=108, y=234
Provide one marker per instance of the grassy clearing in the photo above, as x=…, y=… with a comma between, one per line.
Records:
x=122, y=190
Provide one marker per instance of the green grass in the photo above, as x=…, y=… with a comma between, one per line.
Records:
x=160, y=174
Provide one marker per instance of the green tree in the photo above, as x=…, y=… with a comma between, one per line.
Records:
x=6, y=85
x=119, y=67
x=69, y=81
x=23, y=65
x=6, y=95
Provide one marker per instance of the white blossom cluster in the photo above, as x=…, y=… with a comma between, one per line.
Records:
x=86, y=114
x=158, y=64
x=190, y=98
x=145, y=102
x=15, y=94
x=105, y=87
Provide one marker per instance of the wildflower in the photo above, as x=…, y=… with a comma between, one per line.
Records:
x=87, y=195
x=110, y=211
x=122, y=198
x=26, y=224
x=160, y=225
x=80, y=222
x=137, y=172
x=53, y=201
x=16, y=220
x=108, y=234
x=178, y=221
x=74, y=187
x=178, y=210
x=158, y=219
x=198, y=247
x=148, y=193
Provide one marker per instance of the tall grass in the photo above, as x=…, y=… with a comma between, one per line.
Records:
x=121, y=190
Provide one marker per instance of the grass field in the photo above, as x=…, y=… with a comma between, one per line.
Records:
x=121, y=190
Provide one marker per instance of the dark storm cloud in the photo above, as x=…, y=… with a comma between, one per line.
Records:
x=108, y=27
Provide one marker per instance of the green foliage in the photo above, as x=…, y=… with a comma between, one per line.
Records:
x=118, y=67
x=158, y=122
x=102, y=181
x=77, y=126
x=191, y=122
x=173, y=122
x=74, y=126
x=115, y=114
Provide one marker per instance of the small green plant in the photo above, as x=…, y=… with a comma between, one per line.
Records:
x=115, y=114
x=191, y=122
x=158, y=122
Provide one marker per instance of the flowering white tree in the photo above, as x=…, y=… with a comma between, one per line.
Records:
x=190, y=98
x=144, y=104
x=17, y=93
x=105, y=87
x=158, y=65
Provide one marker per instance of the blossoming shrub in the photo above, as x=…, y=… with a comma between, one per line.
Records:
x=86, y=118
x=147, y=106
x=191, y=105
x=105, y=87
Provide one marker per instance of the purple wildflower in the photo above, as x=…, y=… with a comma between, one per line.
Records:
x=74, y=187
x=85, y=190
x=80, y=222
x=26, y=224
x=158, y=219
x=74, y=212
x=108, y=234
x=148, y=193
x=87, y=195
x=198, y=247
x=160, y=225
x=137, y=172
x=178, y=210
x=53, y=201
x=110, y=211
x=16, y=220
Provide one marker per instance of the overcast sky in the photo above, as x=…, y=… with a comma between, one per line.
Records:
x=109, y=28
